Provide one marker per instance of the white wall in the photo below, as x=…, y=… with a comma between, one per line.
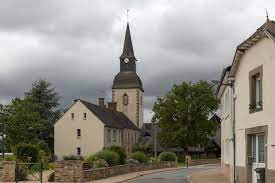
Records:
x=135, y=101
x=262, y=53
x=65, y=132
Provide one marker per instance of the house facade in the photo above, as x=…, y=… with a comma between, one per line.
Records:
x=86, y=128
x=247, y=94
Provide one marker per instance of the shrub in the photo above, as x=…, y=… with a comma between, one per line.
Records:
x=9, y=158
x=139, y=156
x=72, y=157
x=112, y=158
x=120, y=151
x=22, y=172
x=100, y=163
x=51, y=166
x=41, y=145
x=23, y=151
x=51, y=177
x=141, y=147
x=167, y=156
x=91, y=159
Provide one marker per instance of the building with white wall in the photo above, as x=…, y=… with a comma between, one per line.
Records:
x=247, y=93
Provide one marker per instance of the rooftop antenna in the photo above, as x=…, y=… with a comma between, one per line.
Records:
x=127, y=15
x=267, y=18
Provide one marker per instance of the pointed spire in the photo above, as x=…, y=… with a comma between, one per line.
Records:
x=128, y=50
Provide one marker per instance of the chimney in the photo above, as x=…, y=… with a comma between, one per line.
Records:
x=112, y=106
x=101, y=103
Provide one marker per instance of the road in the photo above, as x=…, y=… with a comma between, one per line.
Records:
x=176, y=176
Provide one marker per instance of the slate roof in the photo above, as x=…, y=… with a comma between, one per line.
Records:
x=127, y=79
x=266, y=30
x=114, y=119
x=128, y=50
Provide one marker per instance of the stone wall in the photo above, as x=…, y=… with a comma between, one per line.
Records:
x=71, y=171
x=68, y=171
x=7, y=171
x=196, y=162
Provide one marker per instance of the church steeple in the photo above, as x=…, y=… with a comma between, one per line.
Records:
x=128, y=51
x=127, y=58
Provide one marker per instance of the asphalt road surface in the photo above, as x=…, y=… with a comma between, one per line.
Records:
x=175, y=176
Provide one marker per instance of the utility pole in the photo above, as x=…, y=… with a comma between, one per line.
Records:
x=3, y=135
x=155, y=139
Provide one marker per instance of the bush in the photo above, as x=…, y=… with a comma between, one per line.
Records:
x=139, y=156
x=51, y=177
x=51, y=166
x=112, y=158
x=141, y=147
x=72, y=157
x=120, y=151
x=22, y=172
x=9, y=158
x=23, y=151
x=100, y=163
x=91, y=159
x=167, y=156
x=41, y=145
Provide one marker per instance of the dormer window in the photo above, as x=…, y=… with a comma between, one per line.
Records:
x=125, y=99
x=84, y=116
x=72, y=115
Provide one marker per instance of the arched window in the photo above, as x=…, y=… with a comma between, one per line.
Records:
x=125, y=99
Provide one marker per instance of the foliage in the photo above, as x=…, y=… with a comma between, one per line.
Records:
x=167, y=156
x=35, y=168
x=72, y=157
x=153, y=160
x=100, y=163
x=23, y=151
x=112, y=158
x=182, y=115
x=139, y=156
x=51, y=177
x=9, y=158
x=43, y=94
x=43, y=146
x=141, y=147
x=90, y=159
x=120, y=151
x=22, y=115
x=51, y=166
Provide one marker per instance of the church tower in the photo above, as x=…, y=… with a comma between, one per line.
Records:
x=127, y=90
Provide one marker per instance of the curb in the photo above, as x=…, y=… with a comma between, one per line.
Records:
x=142, y=174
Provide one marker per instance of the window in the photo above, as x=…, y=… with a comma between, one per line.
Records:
x=79, y=151
x=72, y=115
x=141, y=100
x=255, y=77
x=128, y=138
x=125, y=99
x=109, y=135
x=114, y=136
x=84, y=116
x=135, y=138
x=78, y=133
x=119, y=136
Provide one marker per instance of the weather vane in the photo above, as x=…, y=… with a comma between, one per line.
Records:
x=127, y=15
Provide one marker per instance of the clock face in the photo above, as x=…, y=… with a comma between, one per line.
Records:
x=126, y=60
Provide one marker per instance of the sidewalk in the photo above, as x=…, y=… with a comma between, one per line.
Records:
x=213, y=176
x=130, y=176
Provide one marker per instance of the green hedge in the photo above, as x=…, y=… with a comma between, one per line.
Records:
x=167, y=156
x=139, y=156
x=120, y=151
x=23, y=151
x=111, y=157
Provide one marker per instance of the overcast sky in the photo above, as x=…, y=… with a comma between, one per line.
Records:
x=76, y=44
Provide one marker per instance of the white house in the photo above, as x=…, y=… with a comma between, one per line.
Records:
x=86, y=128
x=247, y=93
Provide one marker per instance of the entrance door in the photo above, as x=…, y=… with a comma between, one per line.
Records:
x=258, y=152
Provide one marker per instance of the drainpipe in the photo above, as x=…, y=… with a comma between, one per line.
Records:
x=231, y=82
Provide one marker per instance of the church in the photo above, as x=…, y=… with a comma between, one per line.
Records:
x=86, y=128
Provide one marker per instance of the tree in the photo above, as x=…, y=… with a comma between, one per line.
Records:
x=43, y=94
x=21, y=116
x=182, y=115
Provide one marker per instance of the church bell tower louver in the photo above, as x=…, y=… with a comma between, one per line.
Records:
x=127, y=90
